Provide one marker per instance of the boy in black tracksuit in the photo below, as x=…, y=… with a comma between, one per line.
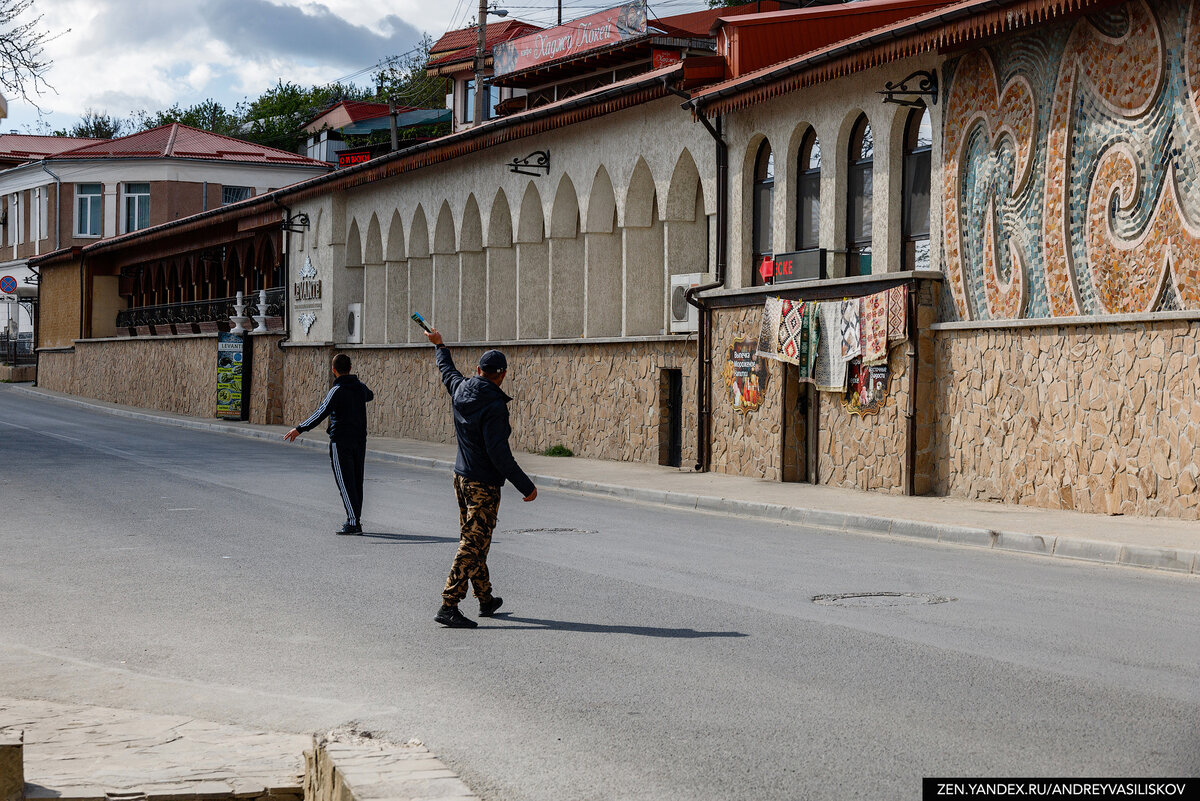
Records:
x=346, y=407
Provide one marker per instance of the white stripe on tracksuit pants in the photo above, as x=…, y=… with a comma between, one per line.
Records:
x=347, y=460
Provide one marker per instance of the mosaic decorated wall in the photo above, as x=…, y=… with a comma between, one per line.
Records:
x=1072, y=175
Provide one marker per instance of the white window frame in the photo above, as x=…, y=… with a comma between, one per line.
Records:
x=15, y=215
x=249, y=192
x=96, y=199
x=142, y=198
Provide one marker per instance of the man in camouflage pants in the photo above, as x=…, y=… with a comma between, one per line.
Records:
x=483, y=463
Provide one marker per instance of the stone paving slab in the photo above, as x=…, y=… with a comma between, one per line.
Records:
x=344, y=764
x=91, y=753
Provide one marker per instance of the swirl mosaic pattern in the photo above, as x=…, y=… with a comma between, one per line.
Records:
x=1074, y=190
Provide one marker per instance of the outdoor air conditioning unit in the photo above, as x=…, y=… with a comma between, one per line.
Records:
x=354, y=323
x=685, y=317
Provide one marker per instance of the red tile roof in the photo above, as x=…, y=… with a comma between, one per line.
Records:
x=758, y=40
x=452, y=43
x=28, y=147
x=699, y=24
x=358, y=110
x=184, y=142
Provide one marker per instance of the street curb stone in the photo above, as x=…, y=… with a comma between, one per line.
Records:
x=1149, y=557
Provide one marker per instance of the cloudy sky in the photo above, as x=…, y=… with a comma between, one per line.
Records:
x=118, y=56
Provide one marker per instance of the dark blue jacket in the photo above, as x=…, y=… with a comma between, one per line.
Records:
x=481, y=425
x=346, y=407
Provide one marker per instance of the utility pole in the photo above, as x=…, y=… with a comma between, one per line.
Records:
x=560, y=12
x=479, y=61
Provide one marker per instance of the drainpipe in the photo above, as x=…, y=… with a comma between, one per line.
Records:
x=285, y=238
x=704, y=334
x=910, y=456
x=57, y=207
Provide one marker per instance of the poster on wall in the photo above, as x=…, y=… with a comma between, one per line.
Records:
x=233, y=376
x=866, y=387
x=745, y=374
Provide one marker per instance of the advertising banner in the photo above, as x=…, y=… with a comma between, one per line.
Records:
x=745, y=375
x=233, y=377
x=586, y=33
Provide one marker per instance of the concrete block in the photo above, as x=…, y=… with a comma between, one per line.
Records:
x=764, y=511
x=680, y=499
x=795, y=514
x=1159, y=558
x=12, y=766
x=821, y=518
x=965, y=535
x=1088, y=550
x=1025, y=543
x=868, y=524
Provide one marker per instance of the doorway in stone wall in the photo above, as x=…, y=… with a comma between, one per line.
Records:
x=798, y=427
x=670, y=417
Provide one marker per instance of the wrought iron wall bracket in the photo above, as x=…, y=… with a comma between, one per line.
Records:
x=925, y=86
x=536, y=163
x=296, y=223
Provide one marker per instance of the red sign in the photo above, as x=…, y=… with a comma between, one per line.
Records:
x=782, y=268
x=664, y=58
x=8, y=285
x=578, y=36
x=767, y=268
x=349, y=157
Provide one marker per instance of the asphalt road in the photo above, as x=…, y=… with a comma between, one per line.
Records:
x=642, y=653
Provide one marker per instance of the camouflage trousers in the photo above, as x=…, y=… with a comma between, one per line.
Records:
x=477, y=507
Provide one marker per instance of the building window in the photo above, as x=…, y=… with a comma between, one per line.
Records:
x=808, y=189
x=89, y=204
x=232, y=194
x=137, y=207
x=918, y=145
x=764, y=203
x=860, y=189
x=16, y=215
x=489, y=101
x=43, y=201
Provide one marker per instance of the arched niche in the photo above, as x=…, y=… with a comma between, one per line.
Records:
x=396, y=269
x=533, y=268
x=445, y=275
x=473, y=267
x=644, y=284
x=567, y=274
x=602, y=317
x=501, y=271
x=420, y=272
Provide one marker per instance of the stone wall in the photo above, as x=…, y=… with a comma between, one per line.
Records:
x=599, y=400
x=1097, y=418
x=58, y=323
x=745, y=443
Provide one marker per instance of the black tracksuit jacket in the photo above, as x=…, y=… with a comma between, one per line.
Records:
x=346, y=407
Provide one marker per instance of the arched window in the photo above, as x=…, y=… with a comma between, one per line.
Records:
x=764, y=200
x=808, y=188
x=861, y=183
x=918, y=144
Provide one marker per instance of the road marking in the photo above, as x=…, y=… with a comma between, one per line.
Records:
x=184, y=509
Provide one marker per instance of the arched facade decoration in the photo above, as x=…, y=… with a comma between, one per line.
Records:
x=808, y=192
x=396, y=267
x=420, y=271
x=446, y=273
x=473, y=271
x=687, y=226
x=567, y=269
x=604, y=260
x=502, y=271
x=644, y=285
x=374, y=285
x=533, y=268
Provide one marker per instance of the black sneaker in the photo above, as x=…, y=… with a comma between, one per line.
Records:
x=349, y=529
x=488, y=608
x=450, y=616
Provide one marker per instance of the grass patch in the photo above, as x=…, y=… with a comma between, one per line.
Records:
x=557, y=450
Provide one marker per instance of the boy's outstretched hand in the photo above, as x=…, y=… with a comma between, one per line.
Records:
x=434, y=337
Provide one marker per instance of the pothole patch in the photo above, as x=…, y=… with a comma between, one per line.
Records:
x=868, y=600
x=549, y=531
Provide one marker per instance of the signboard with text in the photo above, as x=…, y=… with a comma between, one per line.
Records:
x=586, y=33
x=347, y=158
x=233, y=377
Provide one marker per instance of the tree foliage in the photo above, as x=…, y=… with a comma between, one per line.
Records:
x=23, y=61
x=96, y=125
x=277, y=117
x=208, y=115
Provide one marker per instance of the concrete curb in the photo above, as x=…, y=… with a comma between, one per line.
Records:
x=1173, y=560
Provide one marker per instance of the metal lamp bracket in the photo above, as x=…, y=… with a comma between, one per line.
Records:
x=925, y=86
x=536, y=163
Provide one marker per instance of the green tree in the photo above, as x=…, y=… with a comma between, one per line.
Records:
x=405, y=80
x=277, y=117
x=208, y=115
x=96, y=125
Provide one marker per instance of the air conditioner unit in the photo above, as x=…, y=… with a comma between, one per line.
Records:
x=684, y=316
x=354, y=323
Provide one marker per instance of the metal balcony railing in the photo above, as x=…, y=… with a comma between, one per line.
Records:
x=187, y=317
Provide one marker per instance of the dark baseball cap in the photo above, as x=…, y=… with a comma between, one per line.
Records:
x=493, y=362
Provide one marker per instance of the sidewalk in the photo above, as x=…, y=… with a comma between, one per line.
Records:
x=1156, y=543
